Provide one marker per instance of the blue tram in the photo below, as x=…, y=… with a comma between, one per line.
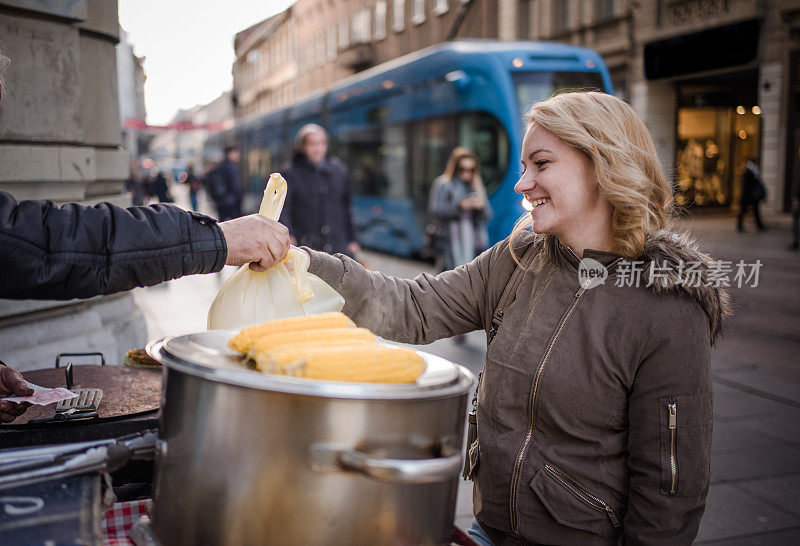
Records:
x=394, y=126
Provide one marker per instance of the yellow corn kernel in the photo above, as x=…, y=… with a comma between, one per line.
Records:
x=365, y=363
x=321, y=336
x=243, y=340
x=277, y=359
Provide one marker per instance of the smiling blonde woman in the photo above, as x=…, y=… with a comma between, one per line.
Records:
x=594, y=411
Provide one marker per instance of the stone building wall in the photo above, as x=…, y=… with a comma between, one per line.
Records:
x=60, y=139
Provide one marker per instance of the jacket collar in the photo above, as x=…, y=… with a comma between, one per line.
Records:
x=667, y=249
x=604, y=257
x=301, y=158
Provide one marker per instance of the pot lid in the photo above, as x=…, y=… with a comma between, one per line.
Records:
x=206, y=354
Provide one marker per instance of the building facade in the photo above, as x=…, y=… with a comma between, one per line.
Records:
x=181, y=143
x=265, y=69
x=316, y=43
x=718, y=81
x=130, y=81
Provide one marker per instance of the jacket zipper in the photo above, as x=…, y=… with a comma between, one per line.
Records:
x=582, y=494
x=673, y=459
x=529, y=435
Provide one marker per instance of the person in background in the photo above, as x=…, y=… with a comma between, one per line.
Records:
x=752, y=194
x=160, y=188
x=225, y=184
x=135, y=185
x=317, y=208
x=195, y=185
x=458, y=203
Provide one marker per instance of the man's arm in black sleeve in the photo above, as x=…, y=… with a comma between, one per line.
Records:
x=73, y=251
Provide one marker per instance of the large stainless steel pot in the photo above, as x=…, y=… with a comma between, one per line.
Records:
x=251, y=458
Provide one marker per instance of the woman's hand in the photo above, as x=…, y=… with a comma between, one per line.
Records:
x=471, y=202
x=12, y=384
x=256, y=240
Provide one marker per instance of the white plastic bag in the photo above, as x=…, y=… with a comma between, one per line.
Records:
x=252, y=297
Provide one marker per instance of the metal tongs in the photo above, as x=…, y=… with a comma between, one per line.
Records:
x=24, y=466
x=83, y=406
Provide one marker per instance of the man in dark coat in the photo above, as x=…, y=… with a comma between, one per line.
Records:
x=73, y=251
x=752, y=194
x=317, y=207
x=227, y=187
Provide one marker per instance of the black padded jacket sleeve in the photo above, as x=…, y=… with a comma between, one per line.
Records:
x=74, y=251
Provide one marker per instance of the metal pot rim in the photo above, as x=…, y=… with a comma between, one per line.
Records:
x=311, y=387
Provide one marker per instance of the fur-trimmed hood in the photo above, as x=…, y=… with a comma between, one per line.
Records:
x=677, y=251
x=671, y=254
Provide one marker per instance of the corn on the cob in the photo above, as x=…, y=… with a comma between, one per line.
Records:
x=365, y=363
x=243, y=340
x=322, y=336
x=277, y=359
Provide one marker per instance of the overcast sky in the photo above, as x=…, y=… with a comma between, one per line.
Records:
x=189, y=47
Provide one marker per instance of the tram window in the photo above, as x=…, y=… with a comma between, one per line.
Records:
x=432, y=141
x=484, y=135
x=537, y=86
x=256, y=163
x=377, y=161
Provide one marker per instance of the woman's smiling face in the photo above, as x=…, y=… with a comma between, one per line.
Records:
x=560, y=184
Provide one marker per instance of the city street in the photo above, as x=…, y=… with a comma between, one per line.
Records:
x=755, y=468
x=409, y=128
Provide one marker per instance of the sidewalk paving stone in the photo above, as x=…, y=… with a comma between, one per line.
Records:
x=756, y=462
x=784, y=427
x=735, y=405
x=786, y=537
x=734, y=437
x=731, y=512
x=777, y=381
x=783, y=492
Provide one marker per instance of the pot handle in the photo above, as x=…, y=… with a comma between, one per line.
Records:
x=410, y=471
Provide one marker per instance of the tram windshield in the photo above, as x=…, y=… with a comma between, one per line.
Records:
x=533, y=87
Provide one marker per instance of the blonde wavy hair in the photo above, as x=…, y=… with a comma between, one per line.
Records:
x=629, y=173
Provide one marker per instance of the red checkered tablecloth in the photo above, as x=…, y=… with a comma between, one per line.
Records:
x=119, y=520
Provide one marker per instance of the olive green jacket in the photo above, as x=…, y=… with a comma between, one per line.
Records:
x=595, y=406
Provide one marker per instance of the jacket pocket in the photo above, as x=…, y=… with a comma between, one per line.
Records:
x=686, y=425
x=571, y=504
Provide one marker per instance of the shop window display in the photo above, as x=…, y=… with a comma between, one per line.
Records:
x=714, y=144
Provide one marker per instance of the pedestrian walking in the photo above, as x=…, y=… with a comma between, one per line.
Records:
x=160, y=188
x=594, y=407
x=224, y=185
x=135, y=184
x=459, y=206
x=317, y=207
x=753, y=193
x=195, y=185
